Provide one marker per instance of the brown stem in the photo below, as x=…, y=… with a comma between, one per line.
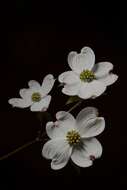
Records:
x=73, y=107
x=18, y=149
x=36, y=140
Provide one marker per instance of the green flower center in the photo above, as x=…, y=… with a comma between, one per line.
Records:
x=36, y=97
x=73, y=137
x=87, y=76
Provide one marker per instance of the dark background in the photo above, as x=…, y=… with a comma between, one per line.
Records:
x=36, y=39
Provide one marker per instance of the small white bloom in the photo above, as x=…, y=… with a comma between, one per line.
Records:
x=86, y=79
x=74, y=138
x=36, y=96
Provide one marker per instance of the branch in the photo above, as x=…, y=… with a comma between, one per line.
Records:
x=18, y=149
x=73, y=107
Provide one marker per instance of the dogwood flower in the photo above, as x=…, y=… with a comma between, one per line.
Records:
x=36, y=96
x=87, y=79
x=74, y=138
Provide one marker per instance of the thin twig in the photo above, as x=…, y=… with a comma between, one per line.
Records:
x=36, y=140
x=18, y=149
x=73, y=107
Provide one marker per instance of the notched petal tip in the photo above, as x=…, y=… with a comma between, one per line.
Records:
x=18, y=102
x=86, y=49
x=55, y=166
x=70, y=57
x=88, y=112
x=47, y=84
x=44, y=109
x=13, y=101
x=49, y=77
x=116, y=77
x=61, y=115
x=33, y=84
x=10, y=101
x=109, y=79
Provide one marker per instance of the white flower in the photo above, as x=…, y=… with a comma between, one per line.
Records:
x=36, y=96
x=87, y=79
x=74, y=138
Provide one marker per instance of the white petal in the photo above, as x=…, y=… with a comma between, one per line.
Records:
x=52, y=129
x=59, y=151
x=91, y=89
x=68, y=77
x=108, y=79
x=64, y=116
x=70, y=58
x=80, y=158
x=81, y=155
x=85, y=115
x=42, y=105
x=61, y=161
x=65, y=122
x=92, y=127
x=71, y=89
x=84, y=60
x=102, y=68
x=25, y=93
x=92, y=147
x=47, y=84
x=34, y=84
x=20, y=103
x=52, y=147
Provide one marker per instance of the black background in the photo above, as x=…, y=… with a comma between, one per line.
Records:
x=36, y=39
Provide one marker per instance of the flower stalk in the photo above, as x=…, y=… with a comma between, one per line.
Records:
x=41, y=134
x=75, y=105
x=69, y=137
x=18, y=149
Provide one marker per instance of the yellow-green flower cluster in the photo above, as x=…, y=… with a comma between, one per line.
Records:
x=73, y=137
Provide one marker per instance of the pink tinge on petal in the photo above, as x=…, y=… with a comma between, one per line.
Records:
x=92, y=147
x=56, y=124
x=92, y=157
